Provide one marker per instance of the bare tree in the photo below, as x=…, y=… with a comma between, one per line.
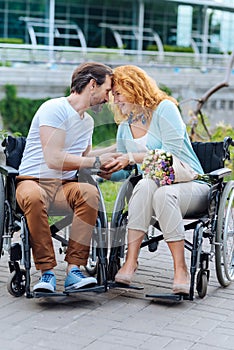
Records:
x=200, y=102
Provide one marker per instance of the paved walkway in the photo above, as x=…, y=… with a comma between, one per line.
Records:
x=119, y=319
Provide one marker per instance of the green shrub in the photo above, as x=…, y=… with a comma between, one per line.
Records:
x=67, y=91
x=105, y=127
x=5, y=64
x=165, y=89
x=11, y=40
x=221, y=131
x=17, y=113
x=171, y=48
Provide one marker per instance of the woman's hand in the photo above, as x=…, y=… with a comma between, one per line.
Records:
x=120, y=162
x=104, y=175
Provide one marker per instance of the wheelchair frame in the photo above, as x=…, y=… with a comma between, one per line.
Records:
x=13, y=220
x=216, y=225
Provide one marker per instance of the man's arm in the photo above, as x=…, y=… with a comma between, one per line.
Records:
x=102, y=150
x=53, y=140
x=87, y=151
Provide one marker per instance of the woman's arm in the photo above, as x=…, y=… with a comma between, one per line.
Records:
x=171, y=127
x=102, y=150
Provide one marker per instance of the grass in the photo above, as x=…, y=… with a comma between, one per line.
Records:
x=109, y=191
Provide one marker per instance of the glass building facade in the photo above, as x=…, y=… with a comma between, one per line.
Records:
x=110, y=24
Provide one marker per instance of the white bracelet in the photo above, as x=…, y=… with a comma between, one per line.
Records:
x=131, y=159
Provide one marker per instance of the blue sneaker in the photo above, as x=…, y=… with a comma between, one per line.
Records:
x=47, y=283
x=75, y=280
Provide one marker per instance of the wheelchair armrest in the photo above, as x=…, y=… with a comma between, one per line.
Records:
x=8, y=170
x=220, y=173
x=86, y=175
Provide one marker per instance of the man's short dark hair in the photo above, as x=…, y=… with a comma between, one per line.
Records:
x=87, y=71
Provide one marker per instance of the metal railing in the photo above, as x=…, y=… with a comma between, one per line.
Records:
x=67, y=55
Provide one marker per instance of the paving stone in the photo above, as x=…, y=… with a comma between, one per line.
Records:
x=120, y=318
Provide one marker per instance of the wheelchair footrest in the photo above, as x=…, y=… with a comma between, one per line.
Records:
x=174, y=297
x=48, y=295
x=97, y=289
x=125, y=286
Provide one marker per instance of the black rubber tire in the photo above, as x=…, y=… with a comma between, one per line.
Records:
x=16, y=284
x=120, y=248
x=102, y=275
x=225, y=271
x=202, y=283
x=101, y=229
x=2, y=211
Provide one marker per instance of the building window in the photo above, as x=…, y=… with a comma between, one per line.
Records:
x=184, y=25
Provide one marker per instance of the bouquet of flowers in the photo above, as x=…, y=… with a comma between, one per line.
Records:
x=166, y=169
x=157, y=165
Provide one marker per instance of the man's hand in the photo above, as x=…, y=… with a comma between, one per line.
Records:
x=118, y=162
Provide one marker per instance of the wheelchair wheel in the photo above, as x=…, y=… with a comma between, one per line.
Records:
x=225, y=236
x=202, y=283
x=119, y=226
x=99, y=242
x=102, y=274
x=122, y=249
x=118, y=248
x=2, y=211
x=16, y=283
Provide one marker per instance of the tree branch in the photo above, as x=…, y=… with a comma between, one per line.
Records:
x=208, y=93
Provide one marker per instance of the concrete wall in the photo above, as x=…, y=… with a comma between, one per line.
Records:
x=37, y=81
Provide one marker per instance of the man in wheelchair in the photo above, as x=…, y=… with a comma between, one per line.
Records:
x=57, y=145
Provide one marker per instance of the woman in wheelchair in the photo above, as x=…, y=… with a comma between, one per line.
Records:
x=149, y=119
x=58, y=143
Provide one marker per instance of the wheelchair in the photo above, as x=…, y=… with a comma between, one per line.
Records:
x=216, y=225
x=12, y=220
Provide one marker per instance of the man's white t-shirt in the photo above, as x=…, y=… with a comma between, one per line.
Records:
x=57, y=113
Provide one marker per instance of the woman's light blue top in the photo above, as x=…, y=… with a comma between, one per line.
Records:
x=167, y=131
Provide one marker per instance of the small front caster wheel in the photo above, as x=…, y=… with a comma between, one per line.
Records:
x=152, y=247
x=202, y=283
x=16, y=283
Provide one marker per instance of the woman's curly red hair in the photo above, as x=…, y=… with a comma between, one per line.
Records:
x=139, y=89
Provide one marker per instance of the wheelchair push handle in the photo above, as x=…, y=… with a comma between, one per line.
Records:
x=227, y=142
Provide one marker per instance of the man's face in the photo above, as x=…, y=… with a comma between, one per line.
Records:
x=100, y=93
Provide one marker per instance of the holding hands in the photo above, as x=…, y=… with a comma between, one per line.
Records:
x=112, y=162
